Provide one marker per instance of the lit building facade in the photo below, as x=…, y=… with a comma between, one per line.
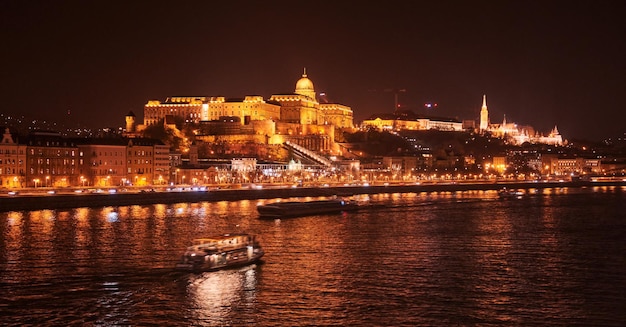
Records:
x=301, y=107
x=47, y=159
x=337, y=115
x=197, y=109
x=511, y=131
x=12, y=161
x=51, y=160
x=515, y=133
x=162, y=164
x=188, y=108
x=297, y=116
x=102, y=163
x=411, y=122
x=145, y=160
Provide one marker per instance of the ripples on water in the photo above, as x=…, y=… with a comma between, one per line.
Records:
x=553, y=258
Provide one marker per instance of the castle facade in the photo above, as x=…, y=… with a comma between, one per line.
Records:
x=298, y=117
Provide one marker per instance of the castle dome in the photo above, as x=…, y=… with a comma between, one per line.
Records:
x=304, y=85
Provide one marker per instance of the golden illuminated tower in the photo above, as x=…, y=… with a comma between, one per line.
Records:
x=130, y=122
x=484, y=115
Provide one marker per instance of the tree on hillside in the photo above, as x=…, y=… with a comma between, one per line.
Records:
x=377, y=143
x=166, y=135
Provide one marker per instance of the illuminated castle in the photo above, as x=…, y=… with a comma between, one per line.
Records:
x=297, y=117
x=517, y=134
x=410, y=121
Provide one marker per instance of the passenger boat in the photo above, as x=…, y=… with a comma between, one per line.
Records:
x=505, y=193
x=305, y=208
x=221, y=252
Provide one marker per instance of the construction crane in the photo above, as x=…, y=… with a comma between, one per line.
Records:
x=395, y=96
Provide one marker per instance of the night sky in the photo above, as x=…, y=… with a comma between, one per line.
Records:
x=540, y=63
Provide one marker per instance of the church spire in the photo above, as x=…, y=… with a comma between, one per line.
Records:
x=7, y=138
x=484, y=115
x=304, y=74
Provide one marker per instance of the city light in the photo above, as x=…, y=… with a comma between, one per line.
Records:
x=463, y=152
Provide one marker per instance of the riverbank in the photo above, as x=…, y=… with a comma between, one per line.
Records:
x=66, y=201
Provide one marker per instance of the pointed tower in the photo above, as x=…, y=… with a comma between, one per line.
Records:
x=484, y=115
x=7, y=138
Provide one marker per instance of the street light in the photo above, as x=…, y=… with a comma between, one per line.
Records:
x=36, y=180
x=47, y=178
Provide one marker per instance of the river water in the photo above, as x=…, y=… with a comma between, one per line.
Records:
x=553, y=258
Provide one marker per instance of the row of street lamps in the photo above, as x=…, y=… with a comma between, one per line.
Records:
x=37, y=180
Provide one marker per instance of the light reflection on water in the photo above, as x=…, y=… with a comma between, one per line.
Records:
x=554, y=257
x=216, y=296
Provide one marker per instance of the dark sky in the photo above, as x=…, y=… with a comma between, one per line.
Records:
x=540, y=63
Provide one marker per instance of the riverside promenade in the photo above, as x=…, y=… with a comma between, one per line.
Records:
x=37, y=201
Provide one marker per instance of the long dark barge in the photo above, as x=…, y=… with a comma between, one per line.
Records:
x=305, y=208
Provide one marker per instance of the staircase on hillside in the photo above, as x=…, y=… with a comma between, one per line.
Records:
x=306, y=153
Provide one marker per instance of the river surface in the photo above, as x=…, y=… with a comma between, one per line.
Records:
x=556, y=257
